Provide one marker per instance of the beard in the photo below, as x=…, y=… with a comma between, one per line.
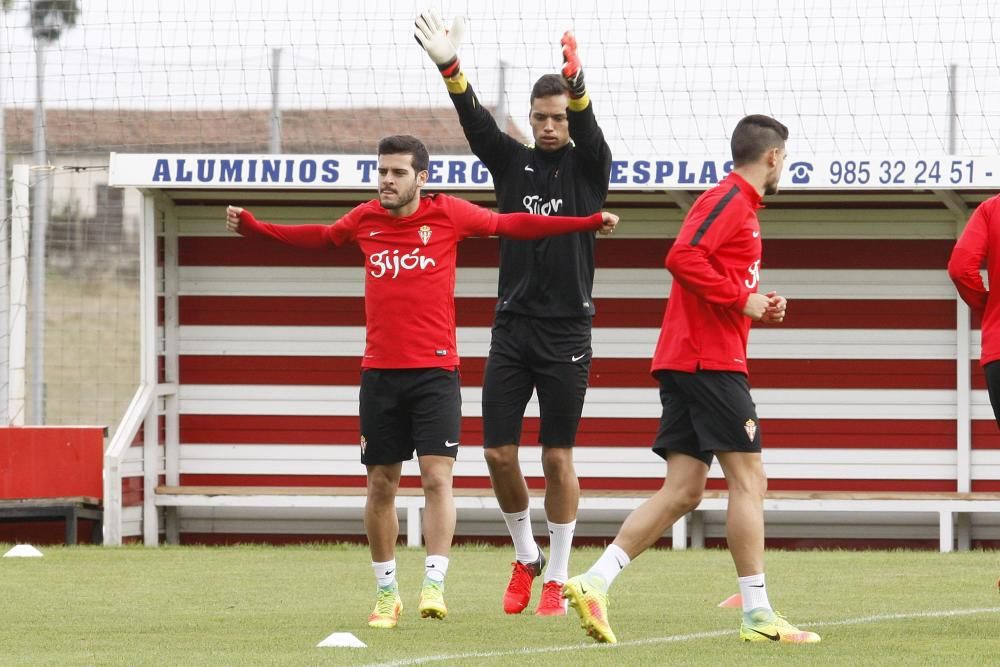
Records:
x=402, y=198
x=771, y=187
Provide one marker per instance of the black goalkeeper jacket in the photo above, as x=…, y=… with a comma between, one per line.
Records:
x=550, y=277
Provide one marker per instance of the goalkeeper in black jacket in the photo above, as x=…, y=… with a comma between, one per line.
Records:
x=541, y=332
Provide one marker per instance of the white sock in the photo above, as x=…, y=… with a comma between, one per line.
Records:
x=436, y=567
x=754, y=592
x=610, y=564
x=519, y=526
x=560, y=543
x=385, y=573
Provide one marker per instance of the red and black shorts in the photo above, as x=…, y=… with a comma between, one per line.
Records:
x=705, y=412
x=407, y=410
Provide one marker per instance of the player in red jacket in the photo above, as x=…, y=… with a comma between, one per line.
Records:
x=409, y=398
x=700, y=362
x=978, y=242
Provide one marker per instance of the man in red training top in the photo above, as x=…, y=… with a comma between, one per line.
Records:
x=979, y=241
x=409, y=398
x=700, y=362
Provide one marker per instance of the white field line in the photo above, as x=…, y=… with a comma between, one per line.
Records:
x=676, y=638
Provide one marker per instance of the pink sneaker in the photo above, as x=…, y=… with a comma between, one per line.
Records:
x=552, y=602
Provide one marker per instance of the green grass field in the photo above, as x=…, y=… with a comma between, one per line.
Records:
x=272, y=605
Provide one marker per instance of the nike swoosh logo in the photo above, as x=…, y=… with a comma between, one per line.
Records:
x=521, y=519
x=578, y=357
x=374, y=233
x=756, y=234
x=388, y=572
x=450, y=444
x=756, y=585
x=775, y=637
x=527, y=168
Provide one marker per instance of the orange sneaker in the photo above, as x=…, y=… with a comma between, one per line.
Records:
x=552, y=602
x=388, y=607
x=518, y=593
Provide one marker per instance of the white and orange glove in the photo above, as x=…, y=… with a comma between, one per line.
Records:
x=572, y=72
x=440, y=43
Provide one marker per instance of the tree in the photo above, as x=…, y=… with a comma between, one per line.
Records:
x=50, y=17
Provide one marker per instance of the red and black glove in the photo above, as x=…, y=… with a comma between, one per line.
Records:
x=572, y=71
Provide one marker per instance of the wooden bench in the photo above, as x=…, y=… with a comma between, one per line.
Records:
x=410, y=502
x=69, y=510
x=947, y=505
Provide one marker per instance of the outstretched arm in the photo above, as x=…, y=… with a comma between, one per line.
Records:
x=528, y=226
x=243, y=222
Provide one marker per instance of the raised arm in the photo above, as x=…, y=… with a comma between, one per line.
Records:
x=583, y=127
x=485, y=138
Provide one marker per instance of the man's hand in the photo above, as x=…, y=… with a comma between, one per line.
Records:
x=610, y=222
x=775, y=311
x=756, y=306
x=572, y=71
x=233, y=218
x=767, y=308
x=440, y=43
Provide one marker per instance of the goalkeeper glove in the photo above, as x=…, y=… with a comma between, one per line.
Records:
x=440, y=43
x=572, y=71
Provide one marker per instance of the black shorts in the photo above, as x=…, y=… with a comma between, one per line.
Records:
x=407, y=410
x=705, y=412
x=992, y=372
x=550, y=355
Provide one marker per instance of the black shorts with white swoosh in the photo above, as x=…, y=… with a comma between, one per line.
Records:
x=550, y=355
x=409, y=410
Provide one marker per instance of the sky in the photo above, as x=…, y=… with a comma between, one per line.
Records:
x=665, y=77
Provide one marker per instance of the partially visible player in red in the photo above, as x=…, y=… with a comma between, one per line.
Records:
x=409, y=398
x=701, y=364
x=981, y=241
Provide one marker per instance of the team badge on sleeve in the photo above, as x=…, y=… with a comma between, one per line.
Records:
x=425, y=234
x=750, y=426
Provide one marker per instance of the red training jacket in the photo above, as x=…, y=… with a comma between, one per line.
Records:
x=980, y=239
x=715, y=263
x=410, y=268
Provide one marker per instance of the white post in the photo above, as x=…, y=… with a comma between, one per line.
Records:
x=171, y=366
x=275, y=142
x=963, y=386
x=17, y=315
x=148, y=351
x=40, y=221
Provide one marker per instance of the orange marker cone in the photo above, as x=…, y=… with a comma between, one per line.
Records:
x=734, y=600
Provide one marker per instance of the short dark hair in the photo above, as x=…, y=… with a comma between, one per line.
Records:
x=754, y=135
x=547, y=86
x=405, y=144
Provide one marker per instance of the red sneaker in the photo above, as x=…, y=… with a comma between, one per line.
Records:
x=518, y=593
x=552, y=602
